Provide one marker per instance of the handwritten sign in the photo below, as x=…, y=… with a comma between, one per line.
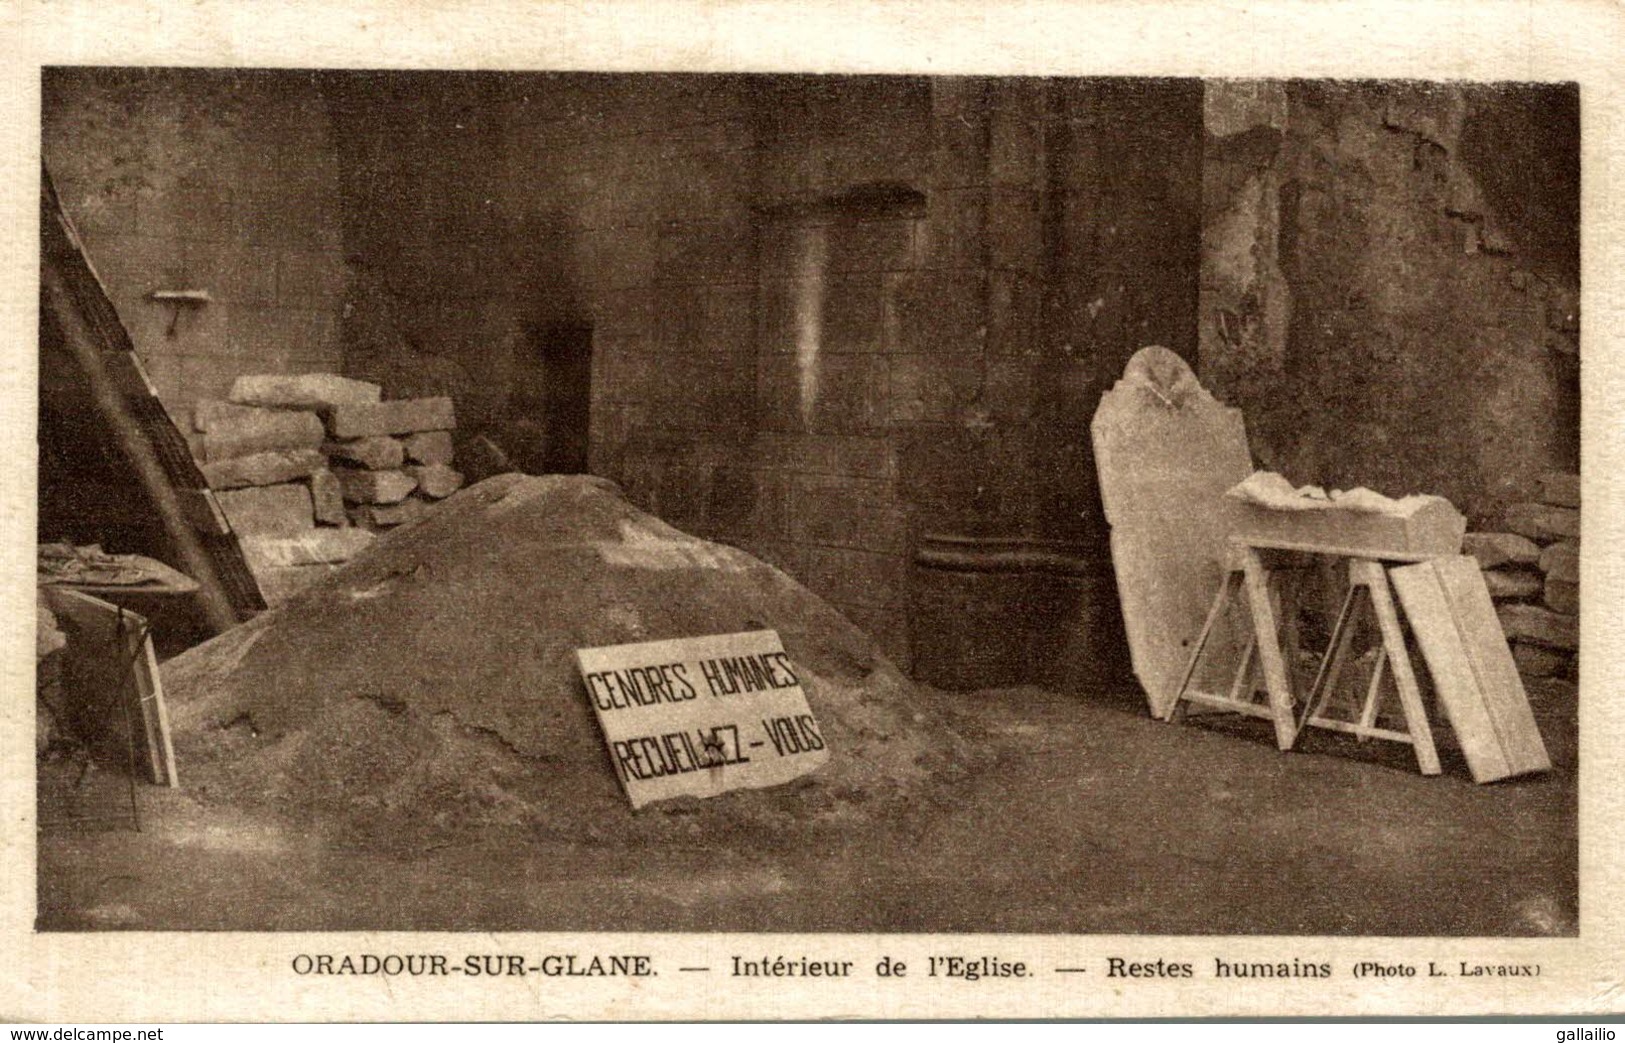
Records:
x=700, y=716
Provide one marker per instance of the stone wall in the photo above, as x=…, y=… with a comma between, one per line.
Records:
x=834, y=319
x=842, y=230
x=1071, y=212
x=1389, y=282
x=828, y=314
x=668, y=214
x=224, y=182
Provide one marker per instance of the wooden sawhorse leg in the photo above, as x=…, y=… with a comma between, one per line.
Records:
x=1392, y=655
x=1221, y=601
x=1266, y=632
x=1245, y=570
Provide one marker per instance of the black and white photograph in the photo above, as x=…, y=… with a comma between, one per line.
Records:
x=970, y=512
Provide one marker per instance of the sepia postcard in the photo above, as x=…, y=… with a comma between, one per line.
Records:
x=727, y=511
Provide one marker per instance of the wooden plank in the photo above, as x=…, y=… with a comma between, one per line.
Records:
x=1221, y=601
x=1225, y=703
x=1241, y=686
x=1434, y=622
x=1266, y=632
x=1491, y=660
x=1165, y=453
x=202, y=511
x=1375, y=578
x=125, y=368
x=1373, y=693
x=154, y=715
x=1341, y=550
x=1331, y=664
x=111, y=662
x=1364, y=731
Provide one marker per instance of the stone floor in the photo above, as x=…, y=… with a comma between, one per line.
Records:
x=1093, y=819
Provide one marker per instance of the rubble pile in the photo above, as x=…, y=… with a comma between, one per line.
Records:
x=308, y=467
x=429, y=686
x=1533, y=572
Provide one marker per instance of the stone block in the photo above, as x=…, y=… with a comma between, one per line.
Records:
x=959, y=152
x=210, y=413
x=383, y=516
x=1014, y=224
x=327, y=498
x=1540, y=625
x=732, y=500
x=1563, y=596
x=263, y=468
x=1513, y=584
x=436, y=481
x=956, y=233
x=264, y=430
x=358, y=420
x=1561, y=561
x=1539, y=661
x=281, y=585
x=871, y=246
x=1543, y=523
x=429, y=447
x=854, y=513
x=376, y=486
x=1563, y=309
x=1560, y=490
x=268, y=510
x=706, y=251
x=1496, y=549
x=318, y=391
x=851, y=576
x=325, y=546
x=854, y=455
x=378, y=453
x=851, y=316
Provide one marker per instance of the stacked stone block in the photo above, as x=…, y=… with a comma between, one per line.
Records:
x=392, y=459
x=307, y=466
x=1533, y=572
x=261, y=453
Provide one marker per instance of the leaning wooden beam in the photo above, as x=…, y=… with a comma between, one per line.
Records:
x=72, y=296
x=82, y=341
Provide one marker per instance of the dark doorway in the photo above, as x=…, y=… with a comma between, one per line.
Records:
x=549, y=410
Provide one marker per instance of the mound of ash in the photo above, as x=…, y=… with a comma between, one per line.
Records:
x=428, y=687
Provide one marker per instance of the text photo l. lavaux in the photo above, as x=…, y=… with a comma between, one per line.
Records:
x=703, y=715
